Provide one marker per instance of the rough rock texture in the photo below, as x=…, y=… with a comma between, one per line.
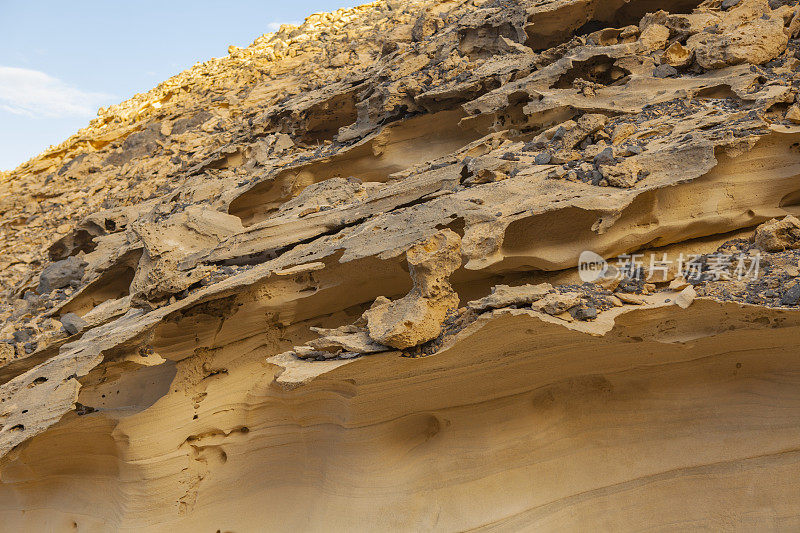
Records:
x=778, y=235
x=329, y=281
x=505, y=296
x=751, y=32
x=418, y=317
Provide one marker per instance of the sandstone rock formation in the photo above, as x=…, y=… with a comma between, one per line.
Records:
x=329, y=282
x=418, y=317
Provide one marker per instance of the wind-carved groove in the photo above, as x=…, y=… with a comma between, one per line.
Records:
x=266, y=255
x=717, y=91
x=112, y=284
x=791, y=202
x=397, y=147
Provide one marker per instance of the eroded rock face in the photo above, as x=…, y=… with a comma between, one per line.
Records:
x=750, y=33
x=418, y=316
x=272, y=292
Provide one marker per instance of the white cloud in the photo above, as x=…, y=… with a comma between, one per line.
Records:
x=275, y=26
x=36, y=94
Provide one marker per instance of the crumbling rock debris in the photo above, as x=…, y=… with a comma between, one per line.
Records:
x=629, y=298
x=791, y=296
x=678, y=284
x=588, y=312
x=778, y=235
x=7, y=352
x=654, y=37
x=73, y=323
x=169, y=240
x=61, y=274
x=624, y=174
x=557, y=303
x=793, y=114
x=585, y=126
x=665, y=71
x=677, y=56
x=686, y=297
x=345, y=342
x=196, y=287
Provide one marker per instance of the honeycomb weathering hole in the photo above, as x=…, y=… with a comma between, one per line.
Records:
x=599, y=69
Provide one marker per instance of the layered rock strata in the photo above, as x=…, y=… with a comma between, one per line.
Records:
x=330, y=281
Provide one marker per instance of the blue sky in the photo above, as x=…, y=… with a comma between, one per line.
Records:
x=61, y=60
